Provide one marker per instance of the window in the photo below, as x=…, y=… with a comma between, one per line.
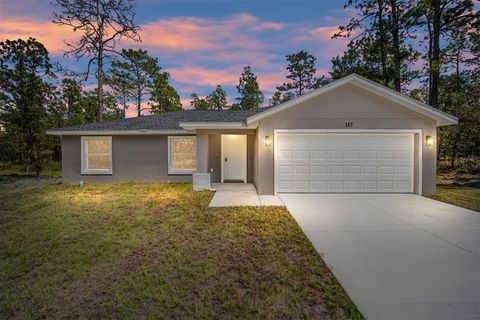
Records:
x=182, y=155
x=96, y=155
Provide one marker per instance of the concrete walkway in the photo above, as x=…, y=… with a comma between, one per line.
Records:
x=240, y=194
x=397, y=256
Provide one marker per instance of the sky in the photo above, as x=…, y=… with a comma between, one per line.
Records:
x=204, y=43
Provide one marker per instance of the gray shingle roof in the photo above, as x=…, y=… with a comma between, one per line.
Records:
x=167, y=121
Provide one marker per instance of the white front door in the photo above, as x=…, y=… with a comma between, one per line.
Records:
x=234, y=157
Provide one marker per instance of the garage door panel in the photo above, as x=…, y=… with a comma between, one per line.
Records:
x=321, y=162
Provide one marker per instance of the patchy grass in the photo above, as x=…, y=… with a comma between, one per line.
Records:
x=460, y=196
x=133, y=250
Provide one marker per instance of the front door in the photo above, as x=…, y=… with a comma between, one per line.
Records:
x=234, y=157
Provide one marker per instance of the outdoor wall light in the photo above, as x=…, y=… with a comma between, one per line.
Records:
x=429, y=141
x=267, y=141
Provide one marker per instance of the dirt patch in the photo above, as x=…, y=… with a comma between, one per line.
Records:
x=15, y=182
x=88, y=296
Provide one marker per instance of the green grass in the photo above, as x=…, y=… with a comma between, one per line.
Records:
x=156, y=251
x=460, y=196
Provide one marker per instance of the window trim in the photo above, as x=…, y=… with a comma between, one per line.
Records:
x=170, y=169
x=84, y=156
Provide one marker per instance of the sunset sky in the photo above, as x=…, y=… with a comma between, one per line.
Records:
x=205, y=43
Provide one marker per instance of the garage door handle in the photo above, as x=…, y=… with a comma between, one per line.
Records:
x=225, y=159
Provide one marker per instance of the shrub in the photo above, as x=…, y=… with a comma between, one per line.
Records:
x=470, y=165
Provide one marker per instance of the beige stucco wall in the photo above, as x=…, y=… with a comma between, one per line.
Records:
x=331, y=111
x=135, y=158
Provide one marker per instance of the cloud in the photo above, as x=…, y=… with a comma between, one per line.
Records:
x=193, y=33
x=195, y=75
x=51, y=35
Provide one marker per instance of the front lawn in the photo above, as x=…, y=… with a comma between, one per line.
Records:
x=131, y=250
x=460, y=196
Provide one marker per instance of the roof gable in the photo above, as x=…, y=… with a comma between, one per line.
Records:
x=440, y=117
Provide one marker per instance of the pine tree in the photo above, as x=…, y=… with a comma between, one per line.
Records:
x=250, y=95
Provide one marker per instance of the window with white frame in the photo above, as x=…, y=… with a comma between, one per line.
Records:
x=96, y=155
x=182, y=154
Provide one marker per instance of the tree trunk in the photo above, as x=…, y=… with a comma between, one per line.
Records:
x=435, y=54
x=397, y=63
x=100, y=84
x=124, y=108
x=139, y=103
x=383, y=40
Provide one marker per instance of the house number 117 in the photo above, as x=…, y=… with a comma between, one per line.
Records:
x=348, y=124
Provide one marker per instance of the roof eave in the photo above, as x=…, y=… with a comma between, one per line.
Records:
x=216, y=125
x=113, y=132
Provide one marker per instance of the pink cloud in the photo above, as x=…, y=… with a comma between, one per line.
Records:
x=51, y=35
x=193, y=33
x=325, y=33
x=204, y=76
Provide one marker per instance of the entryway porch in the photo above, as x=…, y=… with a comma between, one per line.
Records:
x=241, y=194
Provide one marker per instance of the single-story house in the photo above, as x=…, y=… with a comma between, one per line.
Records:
x=353, y=135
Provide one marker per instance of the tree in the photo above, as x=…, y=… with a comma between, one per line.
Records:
x=199, y=103
x=440, y=18
x=103, y=23
x=24, y=66
x=460, y=96
x=138, y=71
x=122, y=86
x=301, y=73
x=71, y=95
x=89, y=106
x=217, y=100
x=164, y=98
x=250, y=95
x=380, y=47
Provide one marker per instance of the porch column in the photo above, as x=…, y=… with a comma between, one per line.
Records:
x=202, y=152
x=201, y=179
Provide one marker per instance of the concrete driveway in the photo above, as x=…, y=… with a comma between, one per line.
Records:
x=397, y=256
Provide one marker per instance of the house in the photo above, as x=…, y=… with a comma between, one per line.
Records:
x=353, y=135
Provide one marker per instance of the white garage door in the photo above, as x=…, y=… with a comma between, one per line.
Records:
x=343, y=162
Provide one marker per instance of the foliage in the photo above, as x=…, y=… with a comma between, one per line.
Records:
x=250, y=95
x=198, y=103
x=235, y=106
x=156, y=250
x=90, y=106
x=469, y=165
x=71, y=96
x=459, y=95
x=381, y=43
x=103, y=23
x=139, y=72
x=24, y=98
x=164, y=98
x=122, y=86
x=217, y=100
x=301, y=73
x=441, y=20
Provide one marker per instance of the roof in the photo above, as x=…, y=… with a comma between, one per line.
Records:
x=169, y=122
x=442, y=118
